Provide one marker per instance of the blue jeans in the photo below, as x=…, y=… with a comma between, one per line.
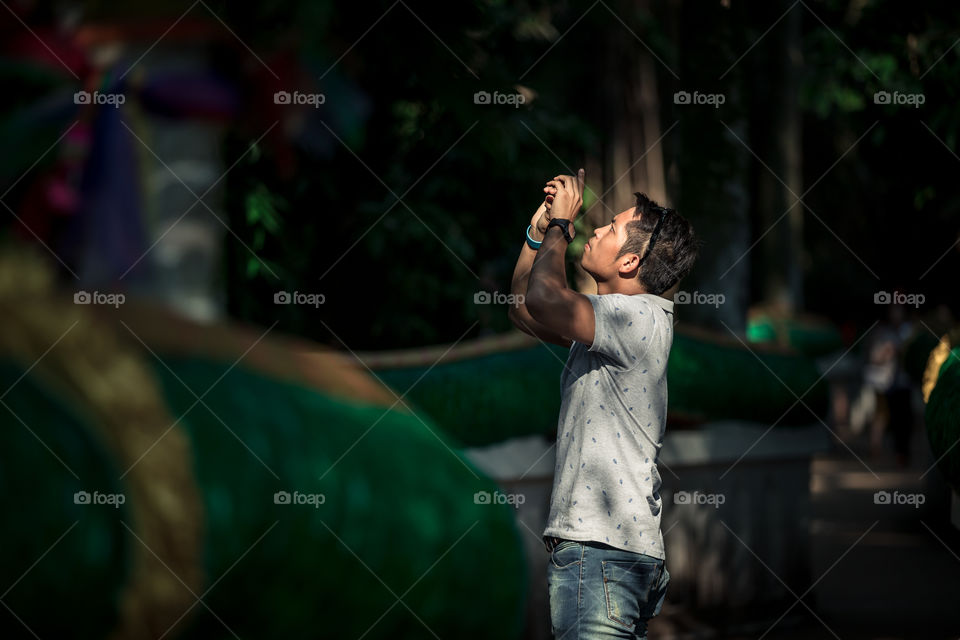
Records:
x=598, y=591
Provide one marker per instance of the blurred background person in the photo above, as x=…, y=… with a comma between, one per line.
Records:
x=885, y=375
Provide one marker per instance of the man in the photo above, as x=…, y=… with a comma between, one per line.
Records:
x=606, y=573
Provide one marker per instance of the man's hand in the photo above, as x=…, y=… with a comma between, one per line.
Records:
x=539, y=222
x=564, y=197
x=541, y=218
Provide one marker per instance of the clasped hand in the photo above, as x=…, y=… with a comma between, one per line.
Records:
x=563, y=201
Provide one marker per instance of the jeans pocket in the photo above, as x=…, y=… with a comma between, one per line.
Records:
x=565, y=554
x=627, y=585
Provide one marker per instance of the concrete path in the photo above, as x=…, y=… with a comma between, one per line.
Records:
x=881, y=571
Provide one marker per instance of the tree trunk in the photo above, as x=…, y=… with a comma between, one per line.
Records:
x=781, y=250
x=631, y=152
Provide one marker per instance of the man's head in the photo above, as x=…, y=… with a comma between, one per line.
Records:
x=619, y=256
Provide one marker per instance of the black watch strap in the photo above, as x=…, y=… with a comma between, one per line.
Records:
x=564, y=226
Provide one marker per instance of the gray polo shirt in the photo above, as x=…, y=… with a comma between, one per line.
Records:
x=613, y=413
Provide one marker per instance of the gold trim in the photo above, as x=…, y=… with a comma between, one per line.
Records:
x=107, y=378
x=936, y=359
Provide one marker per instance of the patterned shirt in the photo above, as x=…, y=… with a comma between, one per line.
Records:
x=613, y=413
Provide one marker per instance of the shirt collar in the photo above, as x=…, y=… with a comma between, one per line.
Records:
x=666, y=305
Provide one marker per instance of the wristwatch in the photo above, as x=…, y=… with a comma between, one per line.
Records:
x=565, y=226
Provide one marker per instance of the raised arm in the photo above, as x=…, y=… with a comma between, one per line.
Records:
x=551, y=303
x=519, y=314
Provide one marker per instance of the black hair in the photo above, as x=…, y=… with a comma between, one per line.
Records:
x=674, y=249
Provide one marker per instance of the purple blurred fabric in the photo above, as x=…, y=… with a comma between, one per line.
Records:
x=195, y=95
x=111, y=222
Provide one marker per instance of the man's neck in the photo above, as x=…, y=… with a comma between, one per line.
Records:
x=627, y=288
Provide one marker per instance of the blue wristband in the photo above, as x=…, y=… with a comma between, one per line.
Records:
x=533, y=244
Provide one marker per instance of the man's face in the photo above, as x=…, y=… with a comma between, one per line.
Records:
x=600, y=253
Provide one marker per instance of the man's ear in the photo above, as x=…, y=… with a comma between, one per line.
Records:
x=627, y=263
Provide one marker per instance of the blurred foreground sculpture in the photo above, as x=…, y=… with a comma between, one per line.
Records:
x=160, y=477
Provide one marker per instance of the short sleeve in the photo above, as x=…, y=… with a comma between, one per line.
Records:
x=623, y=327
